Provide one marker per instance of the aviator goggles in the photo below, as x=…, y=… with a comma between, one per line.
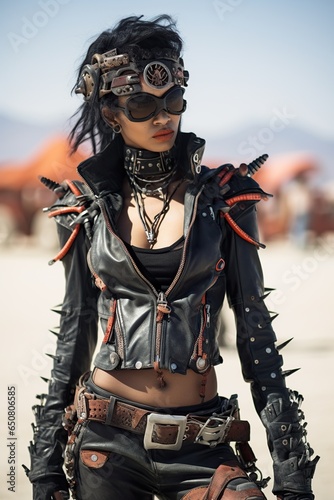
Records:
x=143, y=106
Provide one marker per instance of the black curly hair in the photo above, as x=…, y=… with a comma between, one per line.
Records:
x=131, y=32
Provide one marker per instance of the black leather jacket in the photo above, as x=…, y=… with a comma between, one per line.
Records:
x=215, y=261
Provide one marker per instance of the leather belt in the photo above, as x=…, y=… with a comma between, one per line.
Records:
x=160, y=430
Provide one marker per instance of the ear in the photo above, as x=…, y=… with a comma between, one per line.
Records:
x=109, y=116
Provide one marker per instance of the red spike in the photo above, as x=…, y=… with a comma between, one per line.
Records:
x=240, y=232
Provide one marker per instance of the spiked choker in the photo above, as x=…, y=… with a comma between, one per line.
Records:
x=149, y=172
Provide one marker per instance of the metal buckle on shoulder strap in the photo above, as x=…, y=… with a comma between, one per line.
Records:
x=214, y=431
x=155, y=418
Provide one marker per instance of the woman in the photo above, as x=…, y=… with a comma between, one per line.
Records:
x=163, y=239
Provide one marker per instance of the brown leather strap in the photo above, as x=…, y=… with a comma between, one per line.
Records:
x=222, y=476
x=129, y=417
x=218, y=487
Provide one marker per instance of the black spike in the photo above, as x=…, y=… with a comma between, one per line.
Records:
x=281, y=346
x=274, y=316
x=53, y=330
x=56, y=358
x=38, y=408
x=255, y=165
x=267, y=291
x=45, y=379
x=26, y=470
x=58, y=309
x=52, y=185
x=59, y=189
x=287, y=373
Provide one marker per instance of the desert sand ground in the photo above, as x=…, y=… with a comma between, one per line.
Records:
x=304, y=299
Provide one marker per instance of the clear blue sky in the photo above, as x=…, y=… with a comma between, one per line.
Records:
x=248, y=59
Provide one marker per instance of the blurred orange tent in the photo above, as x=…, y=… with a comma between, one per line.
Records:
x=278, y=171
x=53, y=161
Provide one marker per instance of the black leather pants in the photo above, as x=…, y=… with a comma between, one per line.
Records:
x=112, y=464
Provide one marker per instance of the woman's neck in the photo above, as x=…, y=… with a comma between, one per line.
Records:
x=149, y=172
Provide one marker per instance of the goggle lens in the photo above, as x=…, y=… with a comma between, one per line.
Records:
x=144, y=106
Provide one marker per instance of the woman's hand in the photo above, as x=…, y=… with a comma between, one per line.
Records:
x=50, y=490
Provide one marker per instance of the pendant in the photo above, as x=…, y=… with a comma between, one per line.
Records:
x=150, y=237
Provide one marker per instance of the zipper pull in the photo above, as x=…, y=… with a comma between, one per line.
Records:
x=162, y=304
x=207, y=310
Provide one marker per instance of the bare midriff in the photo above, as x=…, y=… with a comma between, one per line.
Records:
x=142, y=386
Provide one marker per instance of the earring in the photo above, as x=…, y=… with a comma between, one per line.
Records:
x=117, y=129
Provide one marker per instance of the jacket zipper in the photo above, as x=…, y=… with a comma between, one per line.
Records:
x=198, y=353
x=98, y=281
x=183, y=258
x=111, y=321
x=163, y=296
x=163, y=308
x=119, y=337
x=151, y=287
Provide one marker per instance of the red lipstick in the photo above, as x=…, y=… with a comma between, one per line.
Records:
x=163, y=135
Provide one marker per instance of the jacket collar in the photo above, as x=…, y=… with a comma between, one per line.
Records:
x=104, y=172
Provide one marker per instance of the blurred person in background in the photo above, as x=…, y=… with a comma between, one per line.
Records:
x=151, y=242
x=297, y=200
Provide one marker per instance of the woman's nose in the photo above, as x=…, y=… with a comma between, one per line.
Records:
x=162, y=117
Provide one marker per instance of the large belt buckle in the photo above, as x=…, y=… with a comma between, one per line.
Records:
x=214, y=431
x=156, y=418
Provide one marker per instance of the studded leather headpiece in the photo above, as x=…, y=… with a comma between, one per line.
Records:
x=120, y=73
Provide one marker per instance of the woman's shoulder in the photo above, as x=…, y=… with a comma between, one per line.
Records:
x=73, y=202
x=229, y=179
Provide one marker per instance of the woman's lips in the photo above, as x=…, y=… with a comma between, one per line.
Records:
x=164, y=135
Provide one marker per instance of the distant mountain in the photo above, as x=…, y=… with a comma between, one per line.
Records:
x=19, y=140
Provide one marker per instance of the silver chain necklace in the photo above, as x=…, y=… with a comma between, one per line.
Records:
x=151, y=227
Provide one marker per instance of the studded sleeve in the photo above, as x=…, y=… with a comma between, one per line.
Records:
x=76, y=342
x=277, y=406
x=260, y=359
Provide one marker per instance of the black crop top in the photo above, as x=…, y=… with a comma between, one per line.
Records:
x=158, y=266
